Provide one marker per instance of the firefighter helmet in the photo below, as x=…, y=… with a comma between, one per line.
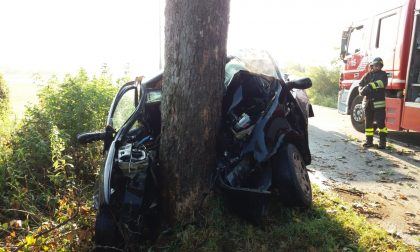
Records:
x=377, y=61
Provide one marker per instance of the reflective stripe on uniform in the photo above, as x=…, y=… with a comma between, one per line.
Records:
x=373, y=85
x=379, y=104
x=369, y=131
x=384, y=130
x=379, y=83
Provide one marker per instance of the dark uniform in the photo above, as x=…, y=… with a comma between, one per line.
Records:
x=372, y=87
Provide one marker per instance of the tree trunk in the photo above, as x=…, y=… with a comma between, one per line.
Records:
x=195, y=55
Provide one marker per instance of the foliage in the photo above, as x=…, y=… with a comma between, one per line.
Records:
x=64, y=223
x=70, y=223
x=295, y=70
x=69, y=228
x=5, y=125
x=78, y=104
x=39, y=191
x=324, y=90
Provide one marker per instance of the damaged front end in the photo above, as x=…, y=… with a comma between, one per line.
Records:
x=261, y=118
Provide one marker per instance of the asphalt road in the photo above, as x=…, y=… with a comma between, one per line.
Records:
x=383, y=185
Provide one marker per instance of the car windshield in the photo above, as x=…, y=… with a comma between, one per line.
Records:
x=252, y=60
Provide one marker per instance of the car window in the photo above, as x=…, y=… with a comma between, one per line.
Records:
x=124, y=109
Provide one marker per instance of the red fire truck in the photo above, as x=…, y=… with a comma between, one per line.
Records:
x=393, y=35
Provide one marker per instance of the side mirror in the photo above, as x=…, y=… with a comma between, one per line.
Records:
x=344, y=43
x=85, y=138
x=303, y=83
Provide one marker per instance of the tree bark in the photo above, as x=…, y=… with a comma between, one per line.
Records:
x=195, y=55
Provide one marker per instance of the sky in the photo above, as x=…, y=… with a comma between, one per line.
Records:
x=61, y=36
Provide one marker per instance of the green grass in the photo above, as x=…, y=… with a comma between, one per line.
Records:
x=353, y=138
x=331, y=225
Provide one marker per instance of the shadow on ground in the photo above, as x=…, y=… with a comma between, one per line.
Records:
x=342, y=157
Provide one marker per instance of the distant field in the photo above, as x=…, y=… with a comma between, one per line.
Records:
x=22, y=91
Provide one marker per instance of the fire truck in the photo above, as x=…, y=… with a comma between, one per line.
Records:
x=393, y=35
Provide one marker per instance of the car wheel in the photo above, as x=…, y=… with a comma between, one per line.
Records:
x=291, y=178
x=357, y=114
x=107, y=237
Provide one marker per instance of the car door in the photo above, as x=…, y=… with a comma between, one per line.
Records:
x=122, y=107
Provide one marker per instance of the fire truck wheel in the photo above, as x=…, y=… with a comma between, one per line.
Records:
x=357, y=114
x=291, y=178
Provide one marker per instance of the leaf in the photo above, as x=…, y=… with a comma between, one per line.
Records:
x=84, y=210
x=403, y=197
x=30, y=240
x=69, y=211
x=5, y=225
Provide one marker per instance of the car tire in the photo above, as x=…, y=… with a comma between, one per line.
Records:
x=357, y=114
x=107, y=236
x=291, y=178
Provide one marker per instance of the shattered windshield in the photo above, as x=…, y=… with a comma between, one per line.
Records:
x=256, y=61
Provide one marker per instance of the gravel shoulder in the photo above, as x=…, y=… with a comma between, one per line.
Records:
x=383, y=185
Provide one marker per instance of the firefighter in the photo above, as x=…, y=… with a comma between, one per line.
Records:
x=372, y=87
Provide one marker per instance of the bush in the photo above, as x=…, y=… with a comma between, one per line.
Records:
x=45, y=150
x=4, y=129
x=47, y=177
x=324, y=89
x=325, y=85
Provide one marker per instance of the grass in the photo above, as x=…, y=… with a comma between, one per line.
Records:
x=330, y=225
x=352, y=138
x=391, y=146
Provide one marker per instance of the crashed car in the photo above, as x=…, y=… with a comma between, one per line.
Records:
x=263, y=149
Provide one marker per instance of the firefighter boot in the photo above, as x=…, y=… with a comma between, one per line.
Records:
x=369, y=142
x=382, y=140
